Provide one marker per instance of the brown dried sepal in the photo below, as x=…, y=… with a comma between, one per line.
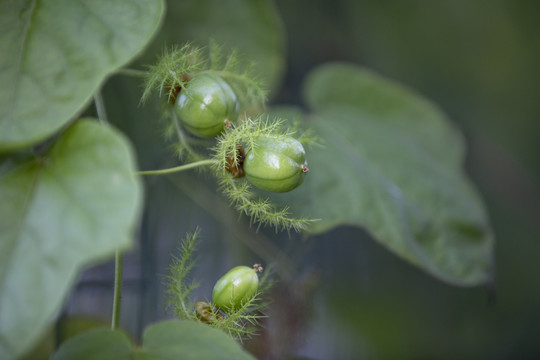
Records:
x=204, y=312
x=237, y=170
x=174, y=89
x=258, y=267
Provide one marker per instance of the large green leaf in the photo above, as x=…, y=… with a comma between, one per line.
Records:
x=56, y=53
x=102, y=344
x=168, y=340
x=73, y=206
x=392, y=163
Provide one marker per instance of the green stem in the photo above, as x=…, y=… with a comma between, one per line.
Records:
x=182, y=137
x=100, y=107
x=131, y=72
x=118, y=257
x=117, y=297
x=178, y=168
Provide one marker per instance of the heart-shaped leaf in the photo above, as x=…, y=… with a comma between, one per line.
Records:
x=392, y=163
x=168, y=340
x=74, y=206
x=56, y=53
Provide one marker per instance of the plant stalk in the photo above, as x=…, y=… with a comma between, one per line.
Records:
x=178, y=168
x=100, y=108
x=117, y=297
x=181, y=135
x=118, y=256
x=132, y=72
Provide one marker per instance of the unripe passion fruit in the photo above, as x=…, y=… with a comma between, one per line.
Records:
x=276, y=165
x=234, y=288
x=205, y=104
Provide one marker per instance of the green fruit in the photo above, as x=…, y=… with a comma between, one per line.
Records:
x=205, y=104
x=276, y=165
x=234, y=288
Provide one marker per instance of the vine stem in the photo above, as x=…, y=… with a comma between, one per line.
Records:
x=118, y=256
x=131, y=72
x=192, y=165
x=117, y=297
x=182, y=136
x=100, y=108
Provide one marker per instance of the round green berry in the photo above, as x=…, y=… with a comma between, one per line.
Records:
x=277, y=165
x=235, y=288
x=205, y=104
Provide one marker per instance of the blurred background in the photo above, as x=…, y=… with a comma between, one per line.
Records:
x=341, y=295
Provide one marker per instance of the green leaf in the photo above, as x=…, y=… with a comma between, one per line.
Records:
x=168, y=340
x=60, y=212
x=102, y=344
x=55, y=55
x=392, y=163
x=190, y=340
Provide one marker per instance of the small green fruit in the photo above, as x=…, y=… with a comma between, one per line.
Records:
x=276, y=165
x=234, y=288
x=205, y=104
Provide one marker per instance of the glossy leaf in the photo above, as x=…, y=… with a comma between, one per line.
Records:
x=56, y=53
x=165, y=340
x=74, y=206
x=392, y=163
